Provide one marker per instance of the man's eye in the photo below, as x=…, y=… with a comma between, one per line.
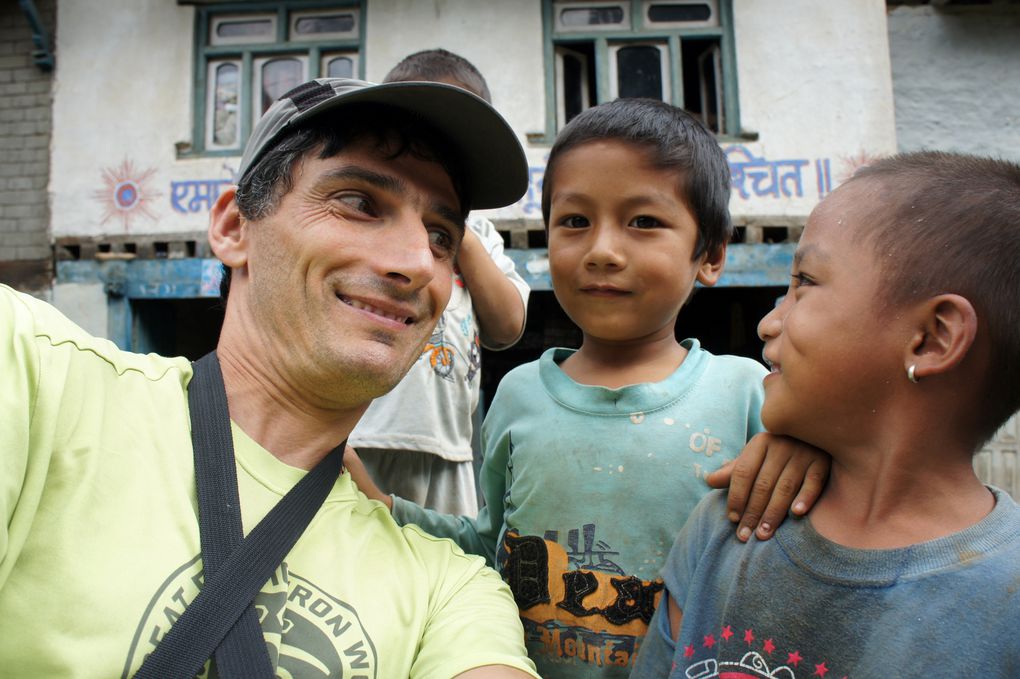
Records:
x=574, y=222
x=441, y=241
x=357, y=202
x=645, y=222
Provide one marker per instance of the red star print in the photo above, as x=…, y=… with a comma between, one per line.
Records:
x=688, y=651
x=748, y=636
x=795, y=658
x=820, y=670
x=726, y=633
x=768, y=646
x=709, y=641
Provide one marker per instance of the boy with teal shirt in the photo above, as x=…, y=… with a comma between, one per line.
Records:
x=595, y=457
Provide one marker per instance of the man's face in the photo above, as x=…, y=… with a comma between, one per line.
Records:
x=347, y=278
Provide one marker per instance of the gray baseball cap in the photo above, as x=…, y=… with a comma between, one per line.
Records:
x=495, y=168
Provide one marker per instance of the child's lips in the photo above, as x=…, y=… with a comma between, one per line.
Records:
x=604, y=291
x=773, y=366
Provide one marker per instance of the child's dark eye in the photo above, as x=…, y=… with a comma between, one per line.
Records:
x=574, y=222
x=800, y=279
x=645, y=222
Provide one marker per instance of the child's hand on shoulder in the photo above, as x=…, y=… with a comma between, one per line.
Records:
x=772, y=476
x=362, y=479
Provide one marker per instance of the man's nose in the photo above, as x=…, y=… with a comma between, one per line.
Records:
x=405, y=253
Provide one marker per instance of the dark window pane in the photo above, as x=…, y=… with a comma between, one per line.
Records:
x=225, y=105
x=702, y=77
x=639, y=72
x=679, y=13
x=247, y=29
x=573, y=82
x=333, y=23
x=712, y=113
x=591, y=16
x=279, y=76
x=341, y=67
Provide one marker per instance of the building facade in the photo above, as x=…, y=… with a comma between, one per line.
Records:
x=113, y=157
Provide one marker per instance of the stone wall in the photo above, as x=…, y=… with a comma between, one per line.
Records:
x=26, y=105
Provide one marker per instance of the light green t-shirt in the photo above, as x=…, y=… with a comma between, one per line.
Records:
x=99, y=544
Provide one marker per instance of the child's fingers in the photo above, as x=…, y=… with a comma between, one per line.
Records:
x=783, y=497
x=814, y=482
x=744, y=474
x=776, y=483
x=799, y=484
x=720, y=478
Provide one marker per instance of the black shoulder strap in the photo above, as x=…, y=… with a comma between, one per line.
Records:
x=222, y=619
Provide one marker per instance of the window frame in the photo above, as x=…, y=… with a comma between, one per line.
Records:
x=639, y=31
x=246, y=54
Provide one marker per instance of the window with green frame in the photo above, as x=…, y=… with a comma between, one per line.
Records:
x=248, y=54
x=680, y=51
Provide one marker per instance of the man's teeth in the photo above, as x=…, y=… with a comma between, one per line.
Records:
x=371, y=309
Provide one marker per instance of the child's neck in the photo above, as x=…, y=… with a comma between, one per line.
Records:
x=899, y=502
x=618, y=364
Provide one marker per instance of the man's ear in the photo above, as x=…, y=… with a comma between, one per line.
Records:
x=945, y=335
x=711, y=266
x=228, y=231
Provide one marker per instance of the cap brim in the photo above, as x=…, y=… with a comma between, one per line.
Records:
x=493, y=161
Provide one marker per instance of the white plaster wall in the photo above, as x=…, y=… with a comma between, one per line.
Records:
x=502, y=39
x=814, y=84
x=815, y=87
x=122, y=99
x=956, y=77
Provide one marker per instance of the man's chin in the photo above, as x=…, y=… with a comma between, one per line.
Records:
x=368, y=370
x=379, y=378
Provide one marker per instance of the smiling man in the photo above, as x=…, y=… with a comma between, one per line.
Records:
x=338, y=246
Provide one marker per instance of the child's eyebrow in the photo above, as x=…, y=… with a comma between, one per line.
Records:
x=564, y=196
x=625, y=202
x=808, y=251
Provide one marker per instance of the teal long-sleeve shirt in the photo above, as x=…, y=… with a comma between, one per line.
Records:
x=585, y=490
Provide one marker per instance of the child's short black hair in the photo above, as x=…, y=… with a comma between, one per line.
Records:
x=676, y=141
x=438, y=64
x=950, y=223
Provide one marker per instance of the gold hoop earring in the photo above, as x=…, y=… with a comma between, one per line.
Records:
x=910, y=374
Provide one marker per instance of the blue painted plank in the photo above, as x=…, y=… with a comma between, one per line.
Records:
x=746, y=266
x=758, y=265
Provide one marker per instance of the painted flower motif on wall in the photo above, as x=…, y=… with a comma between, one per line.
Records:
x=126, y=195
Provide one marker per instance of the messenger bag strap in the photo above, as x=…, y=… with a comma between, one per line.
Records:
x=222, y=619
